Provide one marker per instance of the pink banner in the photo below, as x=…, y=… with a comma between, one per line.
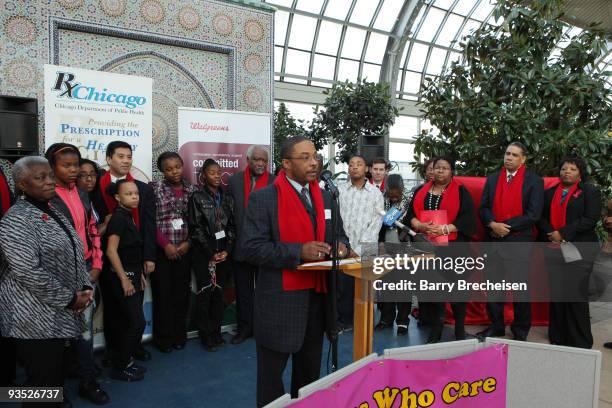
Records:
x=474, y=380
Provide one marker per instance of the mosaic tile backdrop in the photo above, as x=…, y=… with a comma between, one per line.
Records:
x=200, y=53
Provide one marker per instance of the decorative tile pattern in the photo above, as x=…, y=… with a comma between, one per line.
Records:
x=203, y=53
x=113, y=8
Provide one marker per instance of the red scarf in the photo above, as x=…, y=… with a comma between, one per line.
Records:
x=295, y=227
x=382, y=185
x=261, y=182
x=508, y=201
x=558, y=211
x=110, y=202
x=449, y=202
x=5, y=194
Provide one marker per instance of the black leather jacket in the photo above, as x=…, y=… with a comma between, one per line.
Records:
x=205, y=220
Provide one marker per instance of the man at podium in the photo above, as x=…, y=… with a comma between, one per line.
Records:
x=289, y=223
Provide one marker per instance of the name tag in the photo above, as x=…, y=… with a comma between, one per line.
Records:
x=177, y=223
x=220, y=235
x=327, y=214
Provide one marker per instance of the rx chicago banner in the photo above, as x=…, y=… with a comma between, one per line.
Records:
x=221, y=135
x=90, y=109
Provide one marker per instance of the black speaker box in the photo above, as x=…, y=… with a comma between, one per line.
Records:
x=18, y=126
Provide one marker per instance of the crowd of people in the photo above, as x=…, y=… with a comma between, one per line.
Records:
x=73, y=234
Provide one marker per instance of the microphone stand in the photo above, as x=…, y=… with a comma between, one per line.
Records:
x=335, y=270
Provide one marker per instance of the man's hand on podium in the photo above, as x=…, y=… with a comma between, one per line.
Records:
x=315, y=251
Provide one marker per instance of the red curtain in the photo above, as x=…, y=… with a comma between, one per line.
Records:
x=476, y=311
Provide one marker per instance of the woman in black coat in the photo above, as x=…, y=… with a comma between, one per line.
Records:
x=571, y=211
x=212, y=232
x=443, y=193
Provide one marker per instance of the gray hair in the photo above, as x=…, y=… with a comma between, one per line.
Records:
x=22, y=167
x=252, y=148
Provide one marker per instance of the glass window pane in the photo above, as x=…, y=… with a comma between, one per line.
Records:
x=426, y=125
x=417, y=21
x=405, y=127
x=329, y=38
x=280, y=27
x=388, y=14
x=417, y=57
x=470, y=26
x=376, y=48
x=400, y=152
x=278, y=58
x=444, y=4
x=303, y=111
x=296, y=81
x=412, y=82
x=348, y=70
x=353, y=43
x=338, y=9
x=297, y=62
x=484, y=9
x=432, y=23
x=449, y=30
x=454, y=57
x=463, y=7
x=323, y=67
x=363, y=12
x=370, y=72
x=286, y=3
x=302, y=32
x=320, y=84
x=312, y=6
x=398, y=84
x=436, y=61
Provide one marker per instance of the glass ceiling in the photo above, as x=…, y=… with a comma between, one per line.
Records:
x=319, y=42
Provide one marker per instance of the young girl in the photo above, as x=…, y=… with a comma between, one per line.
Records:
x=124, y=251
x=212, y=232
x=172, y=277
x=75, y=205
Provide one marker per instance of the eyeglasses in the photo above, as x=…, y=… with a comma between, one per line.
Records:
x=305, y=159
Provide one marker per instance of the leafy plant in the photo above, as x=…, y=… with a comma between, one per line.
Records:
x=352, y=110
x=514, y=84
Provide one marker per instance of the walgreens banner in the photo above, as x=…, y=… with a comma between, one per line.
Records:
x=221, y=135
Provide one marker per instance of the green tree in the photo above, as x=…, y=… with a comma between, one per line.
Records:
x=352, y=110
x=285, y=126
x=514, y=84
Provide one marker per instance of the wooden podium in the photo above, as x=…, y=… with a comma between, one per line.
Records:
x=363, y=320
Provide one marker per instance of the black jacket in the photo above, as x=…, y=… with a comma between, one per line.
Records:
x=205, y=220
x=583, y=213
x=533, y=199
x=465, y=220
x=235, y=188
x=146, y=213
x=280, y=316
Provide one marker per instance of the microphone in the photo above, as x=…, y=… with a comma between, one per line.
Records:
x=326, y=176
x=425, y=244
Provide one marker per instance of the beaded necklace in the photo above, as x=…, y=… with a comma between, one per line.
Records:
x=434, y=200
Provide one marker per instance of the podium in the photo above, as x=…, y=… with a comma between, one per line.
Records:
x=363, y=320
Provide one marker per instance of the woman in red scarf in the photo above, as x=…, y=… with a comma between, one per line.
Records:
x=571, y=211
x=444, y=211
